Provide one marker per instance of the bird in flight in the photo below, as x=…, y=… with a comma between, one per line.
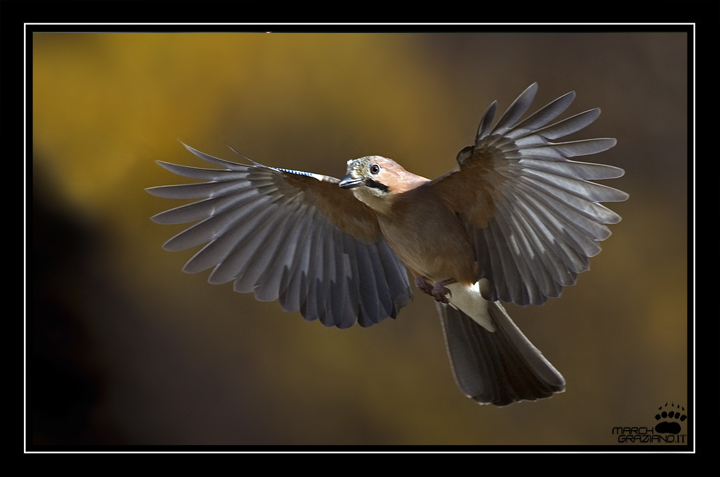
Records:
x=515, y=221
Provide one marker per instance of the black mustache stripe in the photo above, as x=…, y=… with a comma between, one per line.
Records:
x=376, y=185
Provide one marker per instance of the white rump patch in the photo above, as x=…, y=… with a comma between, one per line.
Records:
x=469, y=300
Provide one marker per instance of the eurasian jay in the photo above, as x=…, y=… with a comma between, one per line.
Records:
x=516, y=221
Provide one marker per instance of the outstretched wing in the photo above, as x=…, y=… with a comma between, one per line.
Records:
x=287, y=235
x=533, y=214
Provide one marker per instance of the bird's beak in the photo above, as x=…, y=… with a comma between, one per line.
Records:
x=348, y=182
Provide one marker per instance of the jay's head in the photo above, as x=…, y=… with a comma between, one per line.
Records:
x=374, y=179
x=375, y=175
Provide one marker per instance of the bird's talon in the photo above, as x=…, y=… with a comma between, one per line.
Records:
x=440, y=294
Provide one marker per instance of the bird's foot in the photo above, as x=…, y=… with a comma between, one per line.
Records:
x=424, y=285
x=437, y=291
x=440, y=292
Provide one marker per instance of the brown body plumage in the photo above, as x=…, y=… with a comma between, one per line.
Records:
x=409, y=228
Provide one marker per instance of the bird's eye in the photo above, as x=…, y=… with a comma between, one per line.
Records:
x=374, y=169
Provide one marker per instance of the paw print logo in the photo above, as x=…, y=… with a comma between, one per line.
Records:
x=670, y=417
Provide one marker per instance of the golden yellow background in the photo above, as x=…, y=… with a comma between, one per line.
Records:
x=127, y=349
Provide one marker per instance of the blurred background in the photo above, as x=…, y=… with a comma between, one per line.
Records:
x=125, y=348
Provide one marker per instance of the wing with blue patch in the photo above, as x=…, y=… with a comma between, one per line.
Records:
x=287, y=235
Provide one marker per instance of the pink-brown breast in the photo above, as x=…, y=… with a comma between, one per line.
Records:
x=428, y=237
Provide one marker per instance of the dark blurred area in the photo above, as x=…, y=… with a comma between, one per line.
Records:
x=125, y=348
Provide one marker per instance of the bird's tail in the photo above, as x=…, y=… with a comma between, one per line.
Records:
x=499, y=367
